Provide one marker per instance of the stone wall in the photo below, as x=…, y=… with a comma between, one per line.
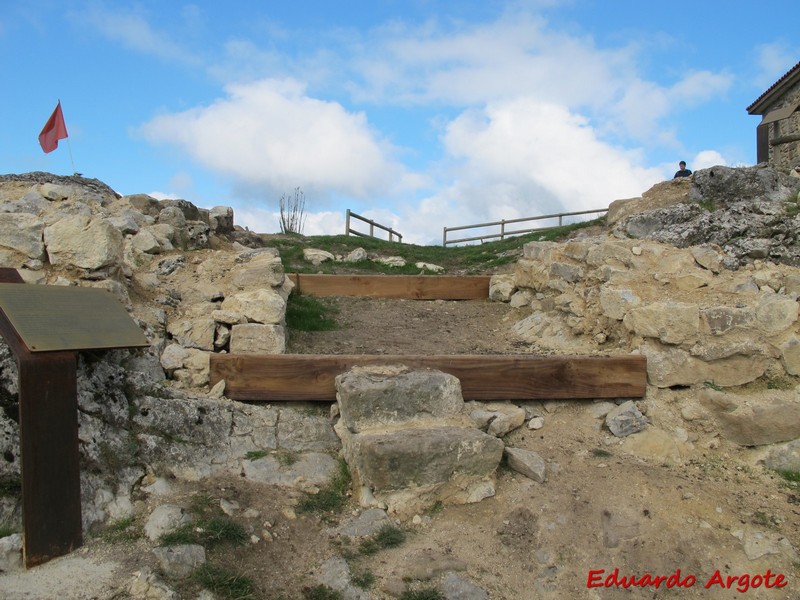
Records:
x=694, y=320
x=784, y=135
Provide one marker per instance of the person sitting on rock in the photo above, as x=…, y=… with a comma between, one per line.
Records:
x=684, y=172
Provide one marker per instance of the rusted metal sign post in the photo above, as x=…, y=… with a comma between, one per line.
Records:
x=45, y=327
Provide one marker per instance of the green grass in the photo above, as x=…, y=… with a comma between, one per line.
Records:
x=255, y=454
x=121, y=530
x=423, y=594
x=791, y=479
x=390, y=536
x=331, y=498
x=209, y=533
x=321, y=592
x=363, y=579
x=713, y=386
x=306, y=313
x=10, y=487
x=223, y=582
x=6, y=531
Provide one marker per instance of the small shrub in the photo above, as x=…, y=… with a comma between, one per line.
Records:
x=6, y=531
x=201, y=504
x=255, y=454
x=331, y=498
x=390, y=536
x=185, y=534
x=321, y=592
x=121, y=530
x=792, y=476
x=601, y=453
x=713, y=386
x=423, y=594
x=368, y=547
x=286, y=457
x=223, y=582
x=364, y=580
x=212, y=532
x=223, y=530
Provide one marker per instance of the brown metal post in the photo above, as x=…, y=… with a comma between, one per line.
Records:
x=48, y=424
x=48, y=432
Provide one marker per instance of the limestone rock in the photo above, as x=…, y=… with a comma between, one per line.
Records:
x=262, y=305
x=784, y=457
x=335, y=574
x=420, y=457
x=501, y=288
x=456, y=587
x=11, y=553
x=263, y=270
x=356, y=255
x=527, y=462
x=164, y=519
x=178, y=562
x=377, y=396
x=774, y=418
x=391, y=261
x=497, y=418
x=194, y=333
x=147, y=585
x=83, y=242
x=316, y=256
x=144, y=241
x=625, y=419
x=22, y=233
x=221, y=219
x=302, y=471
x=366, y=523
x=429, y=267
x=254, y=338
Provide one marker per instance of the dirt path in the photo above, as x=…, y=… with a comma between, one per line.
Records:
x=388, y=326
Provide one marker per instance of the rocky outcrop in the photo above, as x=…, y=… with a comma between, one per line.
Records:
x=408, y=443
x=751, y=213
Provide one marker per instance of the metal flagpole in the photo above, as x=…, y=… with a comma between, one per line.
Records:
x=69, y=147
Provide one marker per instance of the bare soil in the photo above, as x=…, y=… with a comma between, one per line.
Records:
x=607, y=504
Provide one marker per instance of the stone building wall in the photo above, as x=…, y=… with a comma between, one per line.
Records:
x=784, y=135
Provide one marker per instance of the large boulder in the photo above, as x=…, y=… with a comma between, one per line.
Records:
x=83, y=242
x=408, y=443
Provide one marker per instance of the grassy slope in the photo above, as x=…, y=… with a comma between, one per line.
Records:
x=456, y=260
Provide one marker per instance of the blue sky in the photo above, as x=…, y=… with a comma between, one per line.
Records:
x=419, y=114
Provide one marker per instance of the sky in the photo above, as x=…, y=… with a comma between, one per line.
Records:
x=418, y=114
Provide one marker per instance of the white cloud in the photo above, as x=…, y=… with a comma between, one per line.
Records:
x=707, y=159
x=134, y=31
x=271, y=133
x=266, y=221
x=773, y=60
x=541, y=158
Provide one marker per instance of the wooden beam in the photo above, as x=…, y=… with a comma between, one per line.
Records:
x=287, y=377
x=413, y=287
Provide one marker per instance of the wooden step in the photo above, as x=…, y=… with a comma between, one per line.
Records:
x=310, y=377
x=412, y=287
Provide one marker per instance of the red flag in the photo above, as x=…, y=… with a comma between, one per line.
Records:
x=55, y=129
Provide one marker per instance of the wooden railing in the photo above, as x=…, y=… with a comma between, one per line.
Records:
x=504, y=233
x=372, y=226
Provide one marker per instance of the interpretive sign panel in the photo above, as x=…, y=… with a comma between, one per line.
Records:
x=45, y=327
x=51, y=318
